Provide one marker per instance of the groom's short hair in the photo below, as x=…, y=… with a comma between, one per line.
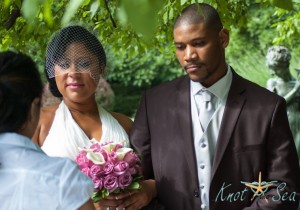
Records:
x=199, y=13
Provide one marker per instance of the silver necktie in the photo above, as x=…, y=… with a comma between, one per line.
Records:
x=205, y=107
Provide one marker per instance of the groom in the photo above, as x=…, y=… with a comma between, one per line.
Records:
x=242, y=156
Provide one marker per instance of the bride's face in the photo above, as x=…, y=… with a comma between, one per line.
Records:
x=77, y=73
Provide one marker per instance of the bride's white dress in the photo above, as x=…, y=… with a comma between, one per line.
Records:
x=66, y=137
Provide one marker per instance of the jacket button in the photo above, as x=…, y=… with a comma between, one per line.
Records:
x=196, y=193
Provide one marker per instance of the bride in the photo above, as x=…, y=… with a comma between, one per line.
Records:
x=75, y=60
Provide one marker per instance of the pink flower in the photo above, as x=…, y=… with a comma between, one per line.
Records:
x=95, y=171
x=120, y=167
x=131, y=158
x=118, y=146
x=82, y=160
x=106, y=143
x=125, y=180
x=108, y=167
x=132, y=170
x=96, y=147
x=110, y=183
x=86, y=171
x=111, y=167
x=112, y=157
x=104, y=153
x=98, y=184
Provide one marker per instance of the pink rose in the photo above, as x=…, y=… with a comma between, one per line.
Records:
x=82, y=160
x=95, y=171
x=98, y=184
x=131, y=158
x=132, y=170
x=110, y=183
x=125, y=180
x=108, y=167
x=120, y=167
x=112, y=157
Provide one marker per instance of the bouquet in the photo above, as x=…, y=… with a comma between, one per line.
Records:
x=112, y=167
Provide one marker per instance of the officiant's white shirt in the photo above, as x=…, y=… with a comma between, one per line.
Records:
x=30, y=180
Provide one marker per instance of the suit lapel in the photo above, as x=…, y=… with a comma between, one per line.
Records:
x=235, y=101
x=184, y=122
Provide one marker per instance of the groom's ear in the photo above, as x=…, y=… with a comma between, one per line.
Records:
x=224, y=37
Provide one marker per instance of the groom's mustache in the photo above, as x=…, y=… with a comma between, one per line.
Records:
x=193, y=63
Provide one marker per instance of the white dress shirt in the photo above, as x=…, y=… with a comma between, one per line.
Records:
x=205, y=140
x=31, y=180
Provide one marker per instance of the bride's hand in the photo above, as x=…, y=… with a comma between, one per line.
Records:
x=134, y=200
x=110, y=202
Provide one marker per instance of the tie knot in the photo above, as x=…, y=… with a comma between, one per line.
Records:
x=205, y=95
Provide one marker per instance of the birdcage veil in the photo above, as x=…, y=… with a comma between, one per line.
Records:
x=88, y=55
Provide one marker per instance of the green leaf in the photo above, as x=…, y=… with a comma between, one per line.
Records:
x=99, y=195
x=6, y=3
x=142, y=16
x=101, y=3
x=86, y=2
x=29, y=9
x=94, y=8
x=171, y=14
x=182, y=2
x=134, y=186
x=284, y=4
x=71, y=10
x=165, y=17
x=48, y=13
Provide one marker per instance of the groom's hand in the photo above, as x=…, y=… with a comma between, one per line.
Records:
x=139, y=199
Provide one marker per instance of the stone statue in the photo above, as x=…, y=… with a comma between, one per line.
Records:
x=284, y=84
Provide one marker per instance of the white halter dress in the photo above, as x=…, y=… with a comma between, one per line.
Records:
x=66, y=137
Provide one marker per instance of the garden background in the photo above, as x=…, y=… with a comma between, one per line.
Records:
x=137, y=36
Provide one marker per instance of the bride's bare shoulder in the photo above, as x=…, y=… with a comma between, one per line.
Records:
x=45, y=122
x=124, y=121
x=48, y=111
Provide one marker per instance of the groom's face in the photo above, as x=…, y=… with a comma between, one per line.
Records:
x=200, y=51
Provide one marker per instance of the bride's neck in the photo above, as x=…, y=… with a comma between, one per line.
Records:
x=86, y=107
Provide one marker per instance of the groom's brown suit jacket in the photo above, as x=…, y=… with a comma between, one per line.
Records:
x=254, y=137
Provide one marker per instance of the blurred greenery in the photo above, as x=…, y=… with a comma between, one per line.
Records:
x=137, y=35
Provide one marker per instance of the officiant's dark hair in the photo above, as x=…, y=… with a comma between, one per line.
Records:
x=199, y=13
x=20, y=84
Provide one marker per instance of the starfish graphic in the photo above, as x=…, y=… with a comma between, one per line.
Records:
x=260, y=187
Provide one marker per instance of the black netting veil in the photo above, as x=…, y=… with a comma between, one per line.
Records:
x=74, y=49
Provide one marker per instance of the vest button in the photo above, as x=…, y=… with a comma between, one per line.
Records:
x=196, y=193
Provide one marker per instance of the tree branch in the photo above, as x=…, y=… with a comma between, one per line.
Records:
x=12, y=19
x=110, y=16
